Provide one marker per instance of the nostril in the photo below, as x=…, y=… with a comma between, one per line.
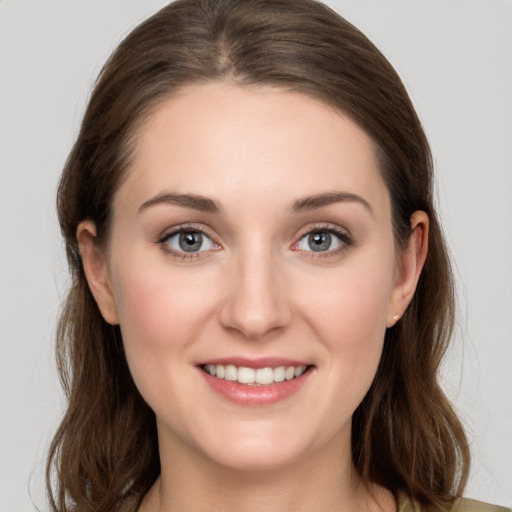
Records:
x=255, y=321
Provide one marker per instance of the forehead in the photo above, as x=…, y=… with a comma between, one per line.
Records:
x=224, y=139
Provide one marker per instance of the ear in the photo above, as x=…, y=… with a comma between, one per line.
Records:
x=96, y=271
x=409, y=265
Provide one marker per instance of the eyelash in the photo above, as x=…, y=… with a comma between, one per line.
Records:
x=344, y=238
x=179, y=255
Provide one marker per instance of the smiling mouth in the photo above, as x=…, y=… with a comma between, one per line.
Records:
x=255, y=376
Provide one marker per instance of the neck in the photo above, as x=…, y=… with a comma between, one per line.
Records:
x=325, y=482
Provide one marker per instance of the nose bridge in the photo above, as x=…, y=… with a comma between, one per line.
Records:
x=256, y=302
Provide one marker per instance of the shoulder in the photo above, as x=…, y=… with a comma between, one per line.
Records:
x=467, y=505
x=461, y=505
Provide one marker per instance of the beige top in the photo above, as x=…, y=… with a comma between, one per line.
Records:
x=462, y=505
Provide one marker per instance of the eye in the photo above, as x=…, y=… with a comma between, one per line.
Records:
x=323, y=240
x=188, y=241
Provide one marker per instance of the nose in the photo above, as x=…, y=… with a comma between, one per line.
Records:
x=256, y=302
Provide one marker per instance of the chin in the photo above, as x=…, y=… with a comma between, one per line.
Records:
x=255, y=457
x=245, y=445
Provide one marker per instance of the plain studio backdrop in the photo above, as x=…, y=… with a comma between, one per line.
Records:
x=455, y=57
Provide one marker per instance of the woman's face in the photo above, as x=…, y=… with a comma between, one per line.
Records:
x=253, y=231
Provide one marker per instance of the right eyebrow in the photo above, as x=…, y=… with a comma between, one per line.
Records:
x=193, y=201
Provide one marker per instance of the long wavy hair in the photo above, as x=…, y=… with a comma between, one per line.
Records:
x=406, y=436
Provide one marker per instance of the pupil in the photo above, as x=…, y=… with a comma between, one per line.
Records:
x=320, y=241
x=191, y=242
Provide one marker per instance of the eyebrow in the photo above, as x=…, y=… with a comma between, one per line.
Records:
x=204, y=204
x=194, y=201
x=321, y=200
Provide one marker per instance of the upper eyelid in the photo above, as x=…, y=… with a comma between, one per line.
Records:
x=166, y=233
x=331, y=228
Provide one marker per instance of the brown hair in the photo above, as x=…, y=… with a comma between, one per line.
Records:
x=406, y=437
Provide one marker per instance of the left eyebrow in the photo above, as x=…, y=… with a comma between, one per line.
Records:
x=326, y=199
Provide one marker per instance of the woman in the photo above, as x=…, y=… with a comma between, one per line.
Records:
x=260, y=295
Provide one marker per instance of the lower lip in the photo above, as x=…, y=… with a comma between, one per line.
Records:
x=245, y=394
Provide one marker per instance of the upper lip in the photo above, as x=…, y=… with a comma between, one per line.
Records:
x=260, y=362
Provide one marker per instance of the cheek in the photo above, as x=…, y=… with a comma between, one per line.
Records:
x=161, y=314
x=347, y=310
x=351, y=301
x=354, y=333
x=157, y=307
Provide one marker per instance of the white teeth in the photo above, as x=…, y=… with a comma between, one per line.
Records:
x=231, y=372
x=279, y=373
x=299, y=371
x=211, y=369
x=289, y=373
x=246, y=375
x=262, y=376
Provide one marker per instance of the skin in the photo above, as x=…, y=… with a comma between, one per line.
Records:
x=257, y=289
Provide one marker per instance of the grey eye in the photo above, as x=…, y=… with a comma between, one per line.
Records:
x=319, y=241
x=189, y=241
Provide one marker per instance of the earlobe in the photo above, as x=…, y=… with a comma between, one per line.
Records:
x=410, y=265
x=96, y=271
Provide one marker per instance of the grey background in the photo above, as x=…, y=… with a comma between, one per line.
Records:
x=455, y=57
